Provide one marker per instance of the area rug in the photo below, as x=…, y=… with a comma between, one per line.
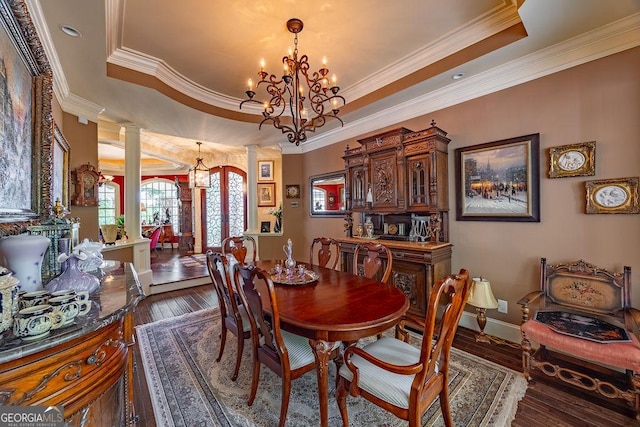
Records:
x=189, y=388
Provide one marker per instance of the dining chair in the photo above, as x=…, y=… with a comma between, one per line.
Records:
x=155, y=237
x=237, y=246
x=324, y=252
x=399, y=377
x=371, y=261
x=288, y=355
x=233, y=315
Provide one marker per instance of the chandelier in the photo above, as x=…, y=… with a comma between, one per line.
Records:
x=287, y=94
x=199, y=174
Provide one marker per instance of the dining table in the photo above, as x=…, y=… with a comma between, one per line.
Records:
x=334, y=306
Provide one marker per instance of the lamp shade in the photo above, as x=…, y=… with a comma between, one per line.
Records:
x=480, y=294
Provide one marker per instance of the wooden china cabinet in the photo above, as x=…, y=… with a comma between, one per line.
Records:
x=185, y=239
x=398, y=181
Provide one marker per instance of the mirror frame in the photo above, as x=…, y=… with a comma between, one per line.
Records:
x=325, y=213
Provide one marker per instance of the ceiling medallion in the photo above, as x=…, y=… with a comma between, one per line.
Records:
x=287, y=94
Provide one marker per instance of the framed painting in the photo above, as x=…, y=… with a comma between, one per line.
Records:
x=266, y=194
x=60, y=174
x=499, y=181
x=572, y=160
x=265, y=170
x=265, y=226
x=613, y=196
x=26, y=124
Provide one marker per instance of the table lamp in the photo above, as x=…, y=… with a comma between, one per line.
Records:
x=481, y=297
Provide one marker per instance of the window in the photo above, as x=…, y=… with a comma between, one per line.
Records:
x=108, y=203
x=318, y=199
x=159, y=203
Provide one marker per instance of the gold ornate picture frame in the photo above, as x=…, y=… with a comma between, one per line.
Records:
x=613, y=196
x=572, y=160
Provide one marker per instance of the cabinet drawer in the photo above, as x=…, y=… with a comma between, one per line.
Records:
x=420, y=257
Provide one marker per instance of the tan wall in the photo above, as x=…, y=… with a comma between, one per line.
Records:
x=598, y=101
x=83, y=140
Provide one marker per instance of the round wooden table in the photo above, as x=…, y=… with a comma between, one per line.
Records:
x=338, y=307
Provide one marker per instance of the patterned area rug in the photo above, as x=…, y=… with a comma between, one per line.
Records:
x=189, y=388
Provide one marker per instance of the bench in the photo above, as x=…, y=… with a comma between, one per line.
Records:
x=581, y=292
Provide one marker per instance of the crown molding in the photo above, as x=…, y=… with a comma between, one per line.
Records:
x=604, y=41
x=491, y=23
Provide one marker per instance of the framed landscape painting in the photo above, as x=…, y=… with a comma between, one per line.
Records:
x=499, y=181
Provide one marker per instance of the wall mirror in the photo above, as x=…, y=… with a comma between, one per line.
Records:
x=326, y=193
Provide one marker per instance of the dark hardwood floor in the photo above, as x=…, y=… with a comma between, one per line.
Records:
x=546, y=403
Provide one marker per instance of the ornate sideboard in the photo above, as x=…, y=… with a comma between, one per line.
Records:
x=415, y=269
x=86, y=367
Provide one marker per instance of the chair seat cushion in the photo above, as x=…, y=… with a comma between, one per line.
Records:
x=299, y=349
x=624, y=355
x=390, y=387
x=246, y=324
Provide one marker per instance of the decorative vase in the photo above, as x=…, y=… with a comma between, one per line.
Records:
x=289, y=263
x=74, y=278
x=277, y=227
x=23, y=254
x=109, y=233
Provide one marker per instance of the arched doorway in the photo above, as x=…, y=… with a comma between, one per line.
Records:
x=224, y=207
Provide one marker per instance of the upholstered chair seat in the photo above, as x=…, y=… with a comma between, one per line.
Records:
x=386, y=385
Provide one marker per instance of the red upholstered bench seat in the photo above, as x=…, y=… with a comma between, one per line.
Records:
x=624, y=355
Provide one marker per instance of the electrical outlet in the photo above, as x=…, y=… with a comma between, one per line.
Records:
x=502, y=306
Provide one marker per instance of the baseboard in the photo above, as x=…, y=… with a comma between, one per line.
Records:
x=497, y=328
x=182, y=284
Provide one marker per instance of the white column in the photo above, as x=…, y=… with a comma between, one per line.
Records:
x=132, y=176
x=252, y=194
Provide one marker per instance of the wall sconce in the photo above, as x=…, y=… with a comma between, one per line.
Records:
x=481, y=297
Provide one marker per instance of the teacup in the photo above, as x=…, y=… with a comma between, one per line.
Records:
x=34, y=322
x=65, y=308
x=31, y=299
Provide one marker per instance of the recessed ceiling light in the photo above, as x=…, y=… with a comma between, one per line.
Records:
x=70, y=31
x=457, y=76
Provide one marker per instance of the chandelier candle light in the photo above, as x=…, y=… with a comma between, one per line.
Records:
x=199, y=176
x=308, y=112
